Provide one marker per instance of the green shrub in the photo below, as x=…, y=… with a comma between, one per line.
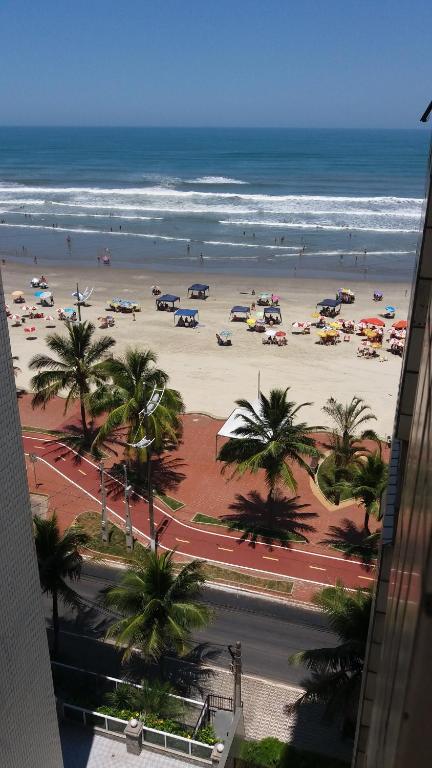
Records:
x=272, y=753
x=206, y=735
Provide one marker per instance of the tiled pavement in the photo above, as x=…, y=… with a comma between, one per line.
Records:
x=84, y=749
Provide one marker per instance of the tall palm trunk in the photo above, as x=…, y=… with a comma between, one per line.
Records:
x=366, y=521
x=83, y=415
x=55, y=622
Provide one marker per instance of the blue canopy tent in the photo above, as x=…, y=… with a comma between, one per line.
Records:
x=186, y=318
x=198, y=291
x=239, y=313
x=272, y=313
x=330, y=306
x=162, y=302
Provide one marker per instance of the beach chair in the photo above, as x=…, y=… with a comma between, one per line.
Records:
x=223, y=342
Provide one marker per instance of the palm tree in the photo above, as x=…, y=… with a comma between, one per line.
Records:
x=153, y=697
x=79, y=366
x=270, y=439
x=337, y=672
x=346, y=443
x=133, y=379
x=159, y=607
x=58, y=559
x=368, y=484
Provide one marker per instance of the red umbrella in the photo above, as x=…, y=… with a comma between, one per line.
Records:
x=280, y=333
x=373, y=321
x=30, y=330
x=400, y=325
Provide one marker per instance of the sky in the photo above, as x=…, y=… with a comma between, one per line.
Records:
x=282, y=63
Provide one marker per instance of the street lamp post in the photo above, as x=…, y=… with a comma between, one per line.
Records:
x=104, y=525
x=78, y=303
x=150, y=489
x=150, y=407
x=33, y=458
x=128, y=526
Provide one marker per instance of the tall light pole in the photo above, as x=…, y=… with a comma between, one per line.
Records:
x=104, y=525
x=128, y=526
x=236, y=668
x=150, y=407
x=78, y=303
x=33, y=458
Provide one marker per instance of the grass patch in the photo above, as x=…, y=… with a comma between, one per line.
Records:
x=207, y=520
x=325, y=479
x=218, y=573
x=116, y=545
x=266, y=533
x=173, y=504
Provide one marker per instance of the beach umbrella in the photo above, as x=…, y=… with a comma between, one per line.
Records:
x=49, y=318
x=17, y=294
x=33, y=309
x=270, y=332
x=251, y=321
x=38, y=294
x=373, y=321
x=30, y=329
x=15, y=318
x=390, y=309
x=280, y=334
x=315, y=315
x=400, y=325
x=225, y=334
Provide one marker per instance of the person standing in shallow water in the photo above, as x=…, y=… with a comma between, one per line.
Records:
x=201, y=259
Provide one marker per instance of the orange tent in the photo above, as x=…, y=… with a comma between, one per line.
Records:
x=400, y=325
x=372, y=321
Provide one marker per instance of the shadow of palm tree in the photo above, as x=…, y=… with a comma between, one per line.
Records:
x=277, y=521
x=166, y=475
x=353, y=541
x=74, y=440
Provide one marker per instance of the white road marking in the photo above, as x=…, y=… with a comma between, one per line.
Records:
x=266, y=557
x=81, y=471
x=317, y=568
x=225, y=549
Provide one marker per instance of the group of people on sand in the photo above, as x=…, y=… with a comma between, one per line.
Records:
x=187, y=322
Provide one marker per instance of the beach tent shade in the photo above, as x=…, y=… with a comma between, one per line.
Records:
x=400, y=325
x=272, y=311
x=189, y=313
x=238, y=310
x=198, y=290
x=329, y=303
x=168, y=298
x=236, y=419
x=373, y=321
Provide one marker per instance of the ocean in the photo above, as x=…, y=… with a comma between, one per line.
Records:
x=258, y=201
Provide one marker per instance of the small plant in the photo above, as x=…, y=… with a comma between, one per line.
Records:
x=206, y=735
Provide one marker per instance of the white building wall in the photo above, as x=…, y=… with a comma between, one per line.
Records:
x=29, y=736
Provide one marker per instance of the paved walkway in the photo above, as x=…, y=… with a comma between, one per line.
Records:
x=67, y=479
x=84, y=749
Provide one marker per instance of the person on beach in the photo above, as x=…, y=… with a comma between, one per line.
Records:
x=98, y=259
x=188, y=248
x=201, y=258
x=133, y=316
x=35, y=259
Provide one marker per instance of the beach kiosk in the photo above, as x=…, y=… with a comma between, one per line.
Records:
x=167, y=302
x=330, y=307
x=186, y=318
x=198, y=291
x=239, y=314
x=272, y=315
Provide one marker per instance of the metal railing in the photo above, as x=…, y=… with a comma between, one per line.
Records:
x=115, y=682
x=150, y=736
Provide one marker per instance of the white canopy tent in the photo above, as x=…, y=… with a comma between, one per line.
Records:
x=235, y=420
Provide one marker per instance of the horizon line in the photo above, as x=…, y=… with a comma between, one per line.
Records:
x=220, y=127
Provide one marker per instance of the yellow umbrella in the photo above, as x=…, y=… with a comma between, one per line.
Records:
x=334, y=325
x=315, y=315
x=332, y=333
x=322, y=333
x=251, y=321
x=17, y=294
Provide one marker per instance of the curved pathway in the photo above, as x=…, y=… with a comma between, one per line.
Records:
x=312, y=568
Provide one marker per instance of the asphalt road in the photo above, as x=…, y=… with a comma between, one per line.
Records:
x=269, y=630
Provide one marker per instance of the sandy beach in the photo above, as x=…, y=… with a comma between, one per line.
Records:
x=210, y=377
